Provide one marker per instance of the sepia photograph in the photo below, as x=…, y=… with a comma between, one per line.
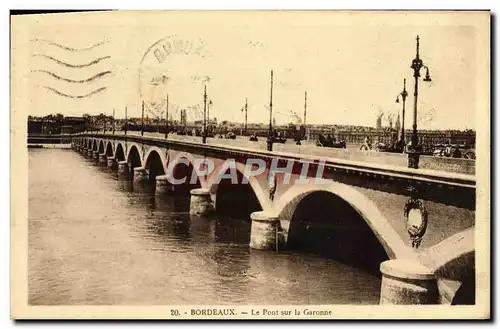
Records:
x=250, y=164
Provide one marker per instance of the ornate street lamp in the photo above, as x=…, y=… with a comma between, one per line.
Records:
x=403, y=95
x=414, y=150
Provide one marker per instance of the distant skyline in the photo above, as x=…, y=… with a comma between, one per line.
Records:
x=352, y=68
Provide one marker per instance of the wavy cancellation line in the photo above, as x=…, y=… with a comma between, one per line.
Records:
x=70, y=48
x=95, y=61
x=92, y=78
x=74, y=96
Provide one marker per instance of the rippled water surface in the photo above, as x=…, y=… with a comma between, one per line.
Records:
x=92, y=240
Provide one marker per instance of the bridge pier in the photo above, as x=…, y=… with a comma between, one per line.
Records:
x=163, y=186
x=265, y=232
x=95, y=155
x=123, y=167
x=90, y=153
x=201, y=202
x=102, y=159
x=140, y=177
x=111, y=163
x=406, y=282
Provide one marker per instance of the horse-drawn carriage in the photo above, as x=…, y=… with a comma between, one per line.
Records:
x=397, y=147
x=454, y=151
x=330, y=141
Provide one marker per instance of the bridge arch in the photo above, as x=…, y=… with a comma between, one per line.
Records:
x=119, y=152
x=154, y=164
x=342, y=211
x=109, y=149
x=188, y=156
x=224, y=193
x=453, y=260
x=182, y=166
x=466, y=293
x=101, y=147
x=94, y=145
x=160, y=153
x=457, y=249
x=134, y=158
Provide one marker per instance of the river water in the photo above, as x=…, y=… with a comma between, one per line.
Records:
x=94, y=241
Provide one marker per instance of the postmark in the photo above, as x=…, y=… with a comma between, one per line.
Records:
x=176, y=66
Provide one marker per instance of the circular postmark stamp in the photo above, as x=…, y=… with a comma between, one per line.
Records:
x=177, y=67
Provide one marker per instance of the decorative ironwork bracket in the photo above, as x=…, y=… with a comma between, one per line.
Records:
x=415, y=217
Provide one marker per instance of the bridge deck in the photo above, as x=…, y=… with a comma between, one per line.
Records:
x=461, y=171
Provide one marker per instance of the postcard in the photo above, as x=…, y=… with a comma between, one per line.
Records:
x=250, y=165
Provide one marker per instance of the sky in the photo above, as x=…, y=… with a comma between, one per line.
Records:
x=352, y=66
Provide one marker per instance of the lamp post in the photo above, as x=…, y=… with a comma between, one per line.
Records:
x=166, y=121
x=270, y=139
x=414, y=150
x=246, y=112
x=403, y=95
x=204, y=138
x=113, y=121
x=126, y=121
x=142, y=119
x=208, y=114
x=305, y=114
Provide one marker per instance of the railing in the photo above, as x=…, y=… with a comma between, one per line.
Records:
x=372, y=163
x=449, y=165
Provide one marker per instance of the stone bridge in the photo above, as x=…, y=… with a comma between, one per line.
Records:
x=414, y=226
